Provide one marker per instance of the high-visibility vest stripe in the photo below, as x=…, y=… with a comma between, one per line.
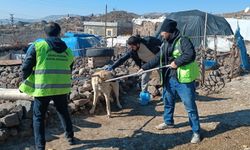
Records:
x=52, y=71
x=46, y=86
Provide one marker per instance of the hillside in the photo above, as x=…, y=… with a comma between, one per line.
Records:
x=116, y=16
x=238, y=14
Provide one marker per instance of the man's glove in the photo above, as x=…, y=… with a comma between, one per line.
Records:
x=109, y=68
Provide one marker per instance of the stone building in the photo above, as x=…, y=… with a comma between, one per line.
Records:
x=146, y=26
x=113, y=29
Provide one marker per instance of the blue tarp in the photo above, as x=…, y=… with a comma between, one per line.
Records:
x=243, y=51
x=79, y=42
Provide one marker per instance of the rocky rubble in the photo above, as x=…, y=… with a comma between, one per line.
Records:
x=226, y=69
x=10, y=76
x=16, y=116
x=14, y=119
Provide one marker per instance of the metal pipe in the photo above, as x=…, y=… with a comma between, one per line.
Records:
x=136, y=74
x=13, y=94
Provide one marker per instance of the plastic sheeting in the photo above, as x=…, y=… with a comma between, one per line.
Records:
x=118, y=41
x=243, y=51
x=139, y=21
x=223, y=43
x=79, y=42
x=243, y=24
x=192, y=23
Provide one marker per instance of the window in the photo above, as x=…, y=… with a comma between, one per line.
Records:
x=91, y=31
x=109, y=32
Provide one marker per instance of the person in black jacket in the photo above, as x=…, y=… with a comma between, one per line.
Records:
x=141, y=53
x=171, y=85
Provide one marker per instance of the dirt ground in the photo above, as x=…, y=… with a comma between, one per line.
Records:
x=224, y=119
x=225, y=123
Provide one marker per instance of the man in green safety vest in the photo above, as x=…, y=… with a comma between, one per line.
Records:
x=47, y=76
x=179, y=52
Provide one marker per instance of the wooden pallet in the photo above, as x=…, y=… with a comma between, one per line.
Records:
x=94, y=62
x=10, y=62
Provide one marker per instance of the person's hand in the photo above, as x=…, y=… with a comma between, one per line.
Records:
x=139, y=72
x=109, y=68
x=173, y=65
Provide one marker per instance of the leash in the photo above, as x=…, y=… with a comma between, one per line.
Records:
x=136, y=74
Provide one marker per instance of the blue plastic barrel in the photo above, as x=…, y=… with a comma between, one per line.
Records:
x=209, y=64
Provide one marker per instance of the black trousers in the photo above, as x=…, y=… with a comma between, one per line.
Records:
x=39, y=110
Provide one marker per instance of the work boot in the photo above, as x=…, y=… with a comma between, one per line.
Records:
x=71, y=141
x=195, y=138
x=163, y=126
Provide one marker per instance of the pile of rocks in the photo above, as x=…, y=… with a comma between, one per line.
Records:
x=16, y=116
x=228, y=68
x=15, y=119
x=10, y=76
x=154, y=85
x=82, y=92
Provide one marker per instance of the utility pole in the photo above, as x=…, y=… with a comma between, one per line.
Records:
x=105, y=27
x=12, y=20
x=67, y=26
x=12, y=27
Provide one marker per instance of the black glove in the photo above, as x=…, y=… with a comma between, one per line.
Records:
x=109, y=68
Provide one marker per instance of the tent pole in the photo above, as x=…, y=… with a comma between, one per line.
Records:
x=234, y=54
x=203, y=53
x=205, y=32
x=215, y=48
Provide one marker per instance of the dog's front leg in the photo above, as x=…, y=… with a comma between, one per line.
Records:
x=106, y=95
x=92, y=110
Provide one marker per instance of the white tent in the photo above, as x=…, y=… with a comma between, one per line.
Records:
x=244, y=25
x=140, y=20
x=118, y=41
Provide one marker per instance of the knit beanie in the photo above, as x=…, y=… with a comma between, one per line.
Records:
x=168, y=26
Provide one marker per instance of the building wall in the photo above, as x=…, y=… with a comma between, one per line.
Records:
x=100, y=30
x=113, y=28
x=145, y=29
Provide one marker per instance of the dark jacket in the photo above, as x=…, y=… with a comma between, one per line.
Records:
x=133, y=54
x=55, y=44
x=188, y=55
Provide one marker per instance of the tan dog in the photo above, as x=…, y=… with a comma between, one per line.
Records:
x=105, y=88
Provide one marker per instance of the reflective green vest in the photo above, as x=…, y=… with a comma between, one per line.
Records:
x=186, y=73
x=52, y=73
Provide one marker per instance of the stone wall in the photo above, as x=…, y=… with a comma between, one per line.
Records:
x=15, y=119
x=145, y=29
